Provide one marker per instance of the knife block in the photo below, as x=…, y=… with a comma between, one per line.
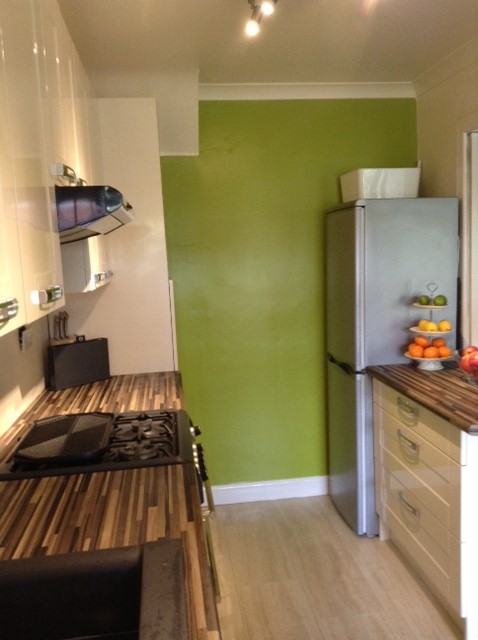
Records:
x=70, y=365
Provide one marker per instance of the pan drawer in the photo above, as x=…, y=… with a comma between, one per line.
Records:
x=431, y=548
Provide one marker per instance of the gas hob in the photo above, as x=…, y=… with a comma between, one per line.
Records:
x=88, y=442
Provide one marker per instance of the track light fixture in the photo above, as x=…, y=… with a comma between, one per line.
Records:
x=259, y=8
x=268, y=7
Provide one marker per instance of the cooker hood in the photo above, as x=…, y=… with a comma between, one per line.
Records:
x=85, y=211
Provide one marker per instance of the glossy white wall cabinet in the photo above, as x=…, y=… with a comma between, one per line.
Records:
x=26, y=106
x=12, y=302
x=86, y=265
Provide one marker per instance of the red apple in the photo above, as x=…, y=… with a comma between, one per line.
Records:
x=465, y=363
x=473, y=360
x=468, y=350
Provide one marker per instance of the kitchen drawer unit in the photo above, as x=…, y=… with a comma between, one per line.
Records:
x=426, y=475
x=418, y=490
x=430, y=426
x=425, y=471
x=429, y=546
x=445, y=586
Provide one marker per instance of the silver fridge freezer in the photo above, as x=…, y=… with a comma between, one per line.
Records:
x=380, y=255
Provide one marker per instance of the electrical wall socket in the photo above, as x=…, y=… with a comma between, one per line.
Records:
x=25, y=338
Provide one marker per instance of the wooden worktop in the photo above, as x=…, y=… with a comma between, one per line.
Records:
x=135, y=392
x=64, y=514
x=444, y=392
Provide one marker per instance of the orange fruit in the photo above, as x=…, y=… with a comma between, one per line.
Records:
x=431, y=352
x=439, y=342
x=445, y=352
x=415, y=350
x=422, y=341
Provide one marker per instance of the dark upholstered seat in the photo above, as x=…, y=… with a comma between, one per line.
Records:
x=132, y=593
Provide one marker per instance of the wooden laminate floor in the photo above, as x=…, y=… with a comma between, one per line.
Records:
x=292, y=570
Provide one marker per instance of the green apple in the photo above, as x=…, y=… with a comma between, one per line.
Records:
x=424, y=300
x=440, y=301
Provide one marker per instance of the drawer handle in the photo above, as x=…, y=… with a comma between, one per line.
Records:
x=415, y=511
x=45, y=296
x=406, y=408
x=8, y=309
x=101, y=276
x=413, y=446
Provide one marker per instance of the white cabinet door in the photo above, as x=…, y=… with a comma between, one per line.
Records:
x=56, y=70
x=81, y=99
x=26, y=104
x=12, y=302
x=68, y=92
x=86, y=265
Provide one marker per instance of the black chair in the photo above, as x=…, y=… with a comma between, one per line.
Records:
x=130, y=593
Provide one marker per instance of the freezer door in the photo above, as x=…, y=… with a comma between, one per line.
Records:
x=350, y=447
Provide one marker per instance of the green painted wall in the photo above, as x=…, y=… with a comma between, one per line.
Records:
x=244, y=229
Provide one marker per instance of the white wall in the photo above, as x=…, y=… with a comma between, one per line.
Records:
x=133, y=311
x=447, y=108
x=176, y=96
x=447, y=105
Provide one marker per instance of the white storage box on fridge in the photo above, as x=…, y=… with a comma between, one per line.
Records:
x=380, y=183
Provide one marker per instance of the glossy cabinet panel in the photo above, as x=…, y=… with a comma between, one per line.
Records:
x=84, y=160
x=67, y=90
x=26, y=106
x=86, y=266
x=12, y=302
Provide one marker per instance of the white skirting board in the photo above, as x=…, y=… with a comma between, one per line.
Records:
x=270, y=490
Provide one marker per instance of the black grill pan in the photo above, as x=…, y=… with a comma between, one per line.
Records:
x=69, y=440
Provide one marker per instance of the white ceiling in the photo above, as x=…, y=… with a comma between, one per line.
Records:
x=305, y=41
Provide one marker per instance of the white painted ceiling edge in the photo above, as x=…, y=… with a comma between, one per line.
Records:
x=308, y=91
x=178, y=94
x=309, y=49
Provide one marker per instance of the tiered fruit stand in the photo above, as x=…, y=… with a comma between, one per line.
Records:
x=430, y=364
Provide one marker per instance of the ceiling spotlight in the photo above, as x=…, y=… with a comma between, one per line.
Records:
x=259, y=8
x=252, y=26
x=268, y=7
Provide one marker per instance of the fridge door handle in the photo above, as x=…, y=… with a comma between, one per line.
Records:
x=344, y=366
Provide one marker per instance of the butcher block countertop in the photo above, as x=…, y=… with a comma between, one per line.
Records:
x=64, y=514
x=444, y=392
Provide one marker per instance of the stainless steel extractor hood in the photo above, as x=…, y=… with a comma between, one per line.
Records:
x=85, y=211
